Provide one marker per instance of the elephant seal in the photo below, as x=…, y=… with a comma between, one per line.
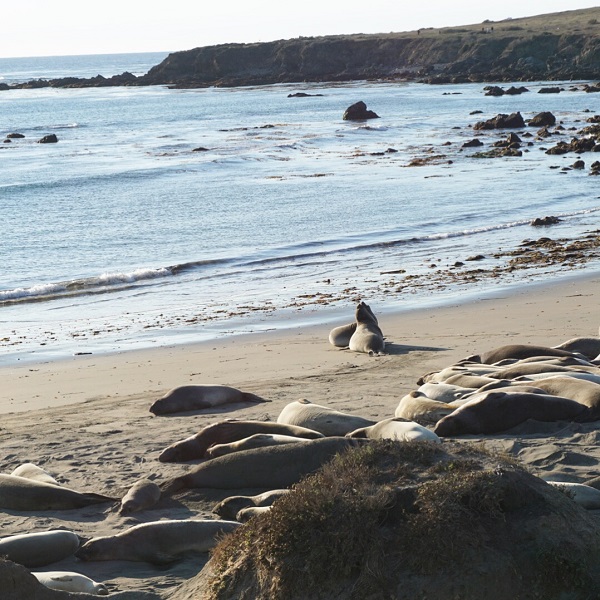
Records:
x=258, y=440
x=320, y=418
x=39, y=549
x=158, y=542
x=415, y=406
x=497, y=410
x=19, y=493
x=67, y=581
x=245, y=514
x=444, y=392
x=340, y=336
x=588, y=346
x=143, y=494
x=519, y=351
x=470, y=381
x=230, y=507
x=35, y=473
x=585, y=495
x=570, y=374
x=194, y=397
x=396, y=429
x=368, y=337
x=580, y=390
x=271, y=467
x=225, y=432
x=533, y=368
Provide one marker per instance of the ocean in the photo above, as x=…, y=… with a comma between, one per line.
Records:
x=165, y=216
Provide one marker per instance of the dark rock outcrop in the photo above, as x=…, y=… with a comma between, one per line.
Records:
x=502, y=121
x=542, y=221
x=543, y=119
x=48, y=139
x=359, y=112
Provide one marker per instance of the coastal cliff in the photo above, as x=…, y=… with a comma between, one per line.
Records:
x=550, y=47
x=555, y=46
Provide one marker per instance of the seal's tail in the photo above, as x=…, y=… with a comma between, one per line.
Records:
x=248, y=397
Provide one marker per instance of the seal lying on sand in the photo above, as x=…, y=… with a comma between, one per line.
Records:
x=39, y=549
x=340, y=336
x=588, y=346
x=225, y=432
x=35, y=473
x=320, y=418
x=368, y=337
x=143, y=494
x=495, y=411
x=196, y=397
x=396, y=429
x=415, y=406
x=230, y=507
x=67, y=581
x=159, y=542
x=258, y=440
x=20, y=493
x=271, y=467
x=518, y=351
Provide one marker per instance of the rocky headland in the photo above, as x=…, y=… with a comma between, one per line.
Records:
x=557, y=46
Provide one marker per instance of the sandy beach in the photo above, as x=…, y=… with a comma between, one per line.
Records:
x=86, y=420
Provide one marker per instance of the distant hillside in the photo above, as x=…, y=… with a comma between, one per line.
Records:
x=556, y=46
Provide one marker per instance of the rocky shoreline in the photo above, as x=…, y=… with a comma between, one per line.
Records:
x=554, y=47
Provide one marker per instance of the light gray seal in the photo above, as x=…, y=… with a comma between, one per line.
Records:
x=142, y=495
x=245, y=514
x=225, y=432
x=368, y=337
x=585, y=495
x=195, y=397
x=231, y=506
x=415, y=406
x=35, y=473
x=39, y=549
x=267, y=468
x=19, y=493
x=396, y=429
x=340, y=336
x=68, y=581
x=158, y=542
x=327, y=421
x=497, y=410
x=258, y=440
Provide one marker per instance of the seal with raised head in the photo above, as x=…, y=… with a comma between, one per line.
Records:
x=158, y=542
x=225, y=432
x=68, y=581
x=368, y=337
x=142, y=495
x=258, y=440
x=195, y=397
x=396, y=429
x=497, y=410
x=271, y=467
x=39, y=549
x=231, y=506
x=321, y=418
x=20, y=493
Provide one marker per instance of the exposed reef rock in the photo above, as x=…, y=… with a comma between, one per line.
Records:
x=555, y=47
x=358, y=112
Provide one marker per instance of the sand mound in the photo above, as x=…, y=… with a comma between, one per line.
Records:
x=410, y=520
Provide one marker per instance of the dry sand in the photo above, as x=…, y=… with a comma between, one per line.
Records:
x=86, y=419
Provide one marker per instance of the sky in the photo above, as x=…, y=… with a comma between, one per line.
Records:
x=66, y=27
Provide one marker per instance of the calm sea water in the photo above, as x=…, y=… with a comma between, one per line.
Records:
x=164, y=215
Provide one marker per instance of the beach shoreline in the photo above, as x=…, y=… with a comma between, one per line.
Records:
x=45, y=384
